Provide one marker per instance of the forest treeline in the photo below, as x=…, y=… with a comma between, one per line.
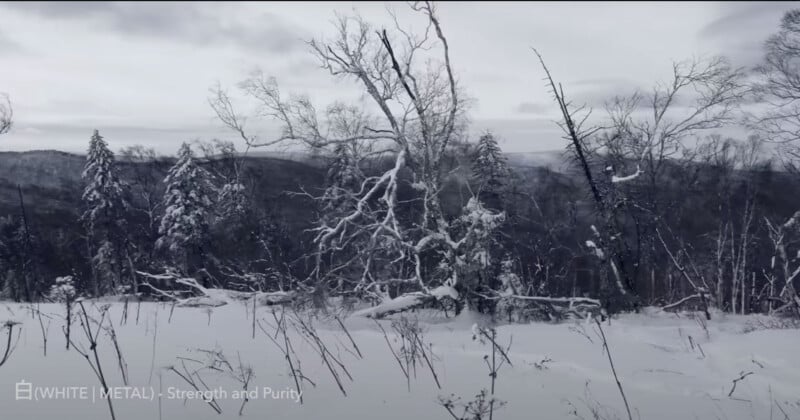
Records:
x=653, y=206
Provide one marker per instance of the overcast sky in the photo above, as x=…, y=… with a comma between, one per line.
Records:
x=140, y=73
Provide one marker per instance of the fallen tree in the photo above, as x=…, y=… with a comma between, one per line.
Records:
x=544, y=307
x=407, y=302
x=212, y=297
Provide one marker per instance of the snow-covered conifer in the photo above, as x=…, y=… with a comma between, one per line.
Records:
x=104, y=194
x=187, y=204
x=104, y=216
x=489, y=166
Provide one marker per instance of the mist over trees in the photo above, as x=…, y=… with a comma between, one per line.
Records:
x=656, y=207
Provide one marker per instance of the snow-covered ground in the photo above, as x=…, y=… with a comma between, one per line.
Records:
x=670, y=367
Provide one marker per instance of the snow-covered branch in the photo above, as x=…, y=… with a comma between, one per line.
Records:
x=618, y=179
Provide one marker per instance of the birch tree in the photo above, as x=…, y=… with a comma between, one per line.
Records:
x=701, y=95
x=417, y=113
x=778, y=87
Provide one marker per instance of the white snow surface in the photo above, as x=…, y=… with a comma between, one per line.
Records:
x=665, y=374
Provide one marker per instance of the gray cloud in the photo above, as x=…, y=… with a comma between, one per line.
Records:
x=591, y=95
x=536, y=133
x=742, y=29
x=603, y=81
x=534, y=108
x=73, y=137
x=159, y=84
x=739, y=16
x=8, y=45
x=186, y=22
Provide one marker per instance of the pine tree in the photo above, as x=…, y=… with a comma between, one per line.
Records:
x=490, y=171
x=104, y=195
x=343, y=176
x=187, y=203
x=232, y=203
x=489, y=167
x=104, y=218
x=471, y=263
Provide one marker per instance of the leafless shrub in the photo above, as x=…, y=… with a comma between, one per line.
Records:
x=91, y=338
x=64, y=291
x=123, y=365
x=241, y=373
x=480, y=407
x=305, y=326
x=349, y=337
x=280, y=337
x=607, y=351
x=44, y=327
x=597, y=411
x=580, y=330
x=10, y=343
x=410, y=349
x=155, y=337
x=193, y=378
x=485, y=403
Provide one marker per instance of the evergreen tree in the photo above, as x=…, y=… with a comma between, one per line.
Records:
x=233, y=203
x=18, y=260
x=472, y=263
x=489, y=168
x=104, y=218
x=188, y=209
x=343, y=176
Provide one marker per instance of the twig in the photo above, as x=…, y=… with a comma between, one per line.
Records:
x=9, y=347
x=355, y=346
x=741, y=377
x=97, y=368
x=613, y=369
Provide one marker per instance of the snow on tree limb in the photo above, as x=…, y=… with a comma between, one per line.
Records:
x=568, y=300
x=407, y=302
x=680, y=302
x=618, y=179
x=210, y=297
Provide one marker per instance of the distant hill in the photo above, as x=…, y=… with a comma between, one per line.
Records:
x=51, y=181
x=41, y=168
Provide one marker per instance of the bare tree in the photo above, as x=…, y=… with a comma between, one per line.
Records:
x=578, y=136
x=643, y=134
x=778, y=87
x=6, y=113
x=781, y=265
x=701, y=95
x=420, y=115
